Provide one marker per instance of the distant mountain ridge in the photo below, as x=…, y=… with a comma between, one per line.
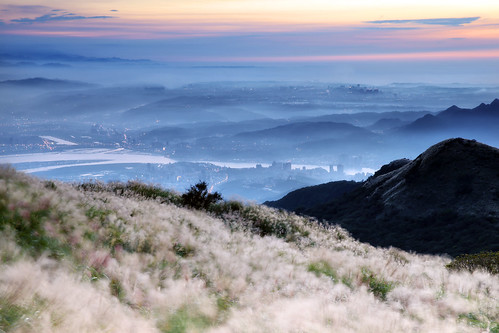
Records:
x=306, y=131
x=44, y=83
x=455, y=118
x=444, y=201
x=364, y=119
x=58, y=56
x=483, y=109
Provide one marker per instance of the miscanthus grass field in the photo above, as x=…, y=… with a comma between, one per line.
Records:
x=132, y=258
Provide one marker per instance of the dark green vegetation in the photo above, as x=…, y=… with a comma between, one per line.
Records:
x=27, y=221
x=183, y=320
x=199, y=197
x=10, y=314
x=13, y=317
x=444, y=201
x=378, y=286
x=481, y=321
x=237, y=215
x=133, y=188
x=322, y=268
x=487, y=261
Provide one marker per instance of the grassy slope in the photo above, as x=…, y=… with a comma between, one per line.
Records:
x=97, y=261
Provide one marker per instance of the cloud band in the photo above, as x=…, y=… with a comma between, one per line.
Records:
x=435, y=21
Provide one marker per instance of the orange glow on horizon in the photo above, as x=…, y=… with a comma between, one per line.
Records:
x=439, y=55
x=386, y=30
x=275, y=12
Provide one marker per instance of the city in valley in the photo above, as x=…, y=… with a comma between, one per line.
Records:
x=249, y=140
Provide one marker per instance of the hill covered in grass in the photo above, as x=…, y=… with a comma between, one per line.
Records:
x=444, y=201
x=132, y=258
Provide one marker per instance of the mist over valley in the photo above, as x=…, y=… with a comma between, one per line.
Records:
x=253, y=140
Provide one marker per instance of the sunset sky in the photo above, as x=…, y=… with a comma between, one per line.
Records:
x=258, y=31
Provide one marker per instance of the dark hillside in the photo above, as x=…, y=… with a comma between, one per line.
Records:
x=444, y=201
x=309, y=196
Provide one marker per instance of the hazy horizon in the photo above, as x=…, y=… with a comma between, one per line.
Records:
x=325, y=41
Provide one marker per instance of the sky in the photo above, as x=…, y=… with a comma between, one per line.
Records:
x=384, y=33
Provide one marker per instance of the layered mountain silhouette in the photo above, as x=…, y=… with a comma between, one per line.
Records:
x=306, y=131
x=482, y=117
x=43, y=83
x=444, y=201
x=386, y=124
x=369, y=119
x=184, y=109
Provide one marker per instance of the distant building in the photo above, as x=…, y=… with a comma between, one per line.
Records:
x=281, y=166
x=276, y=165
x=340, y=169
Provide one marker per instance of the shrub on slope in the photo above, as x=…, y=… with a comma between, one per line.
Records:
x=487, y=261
